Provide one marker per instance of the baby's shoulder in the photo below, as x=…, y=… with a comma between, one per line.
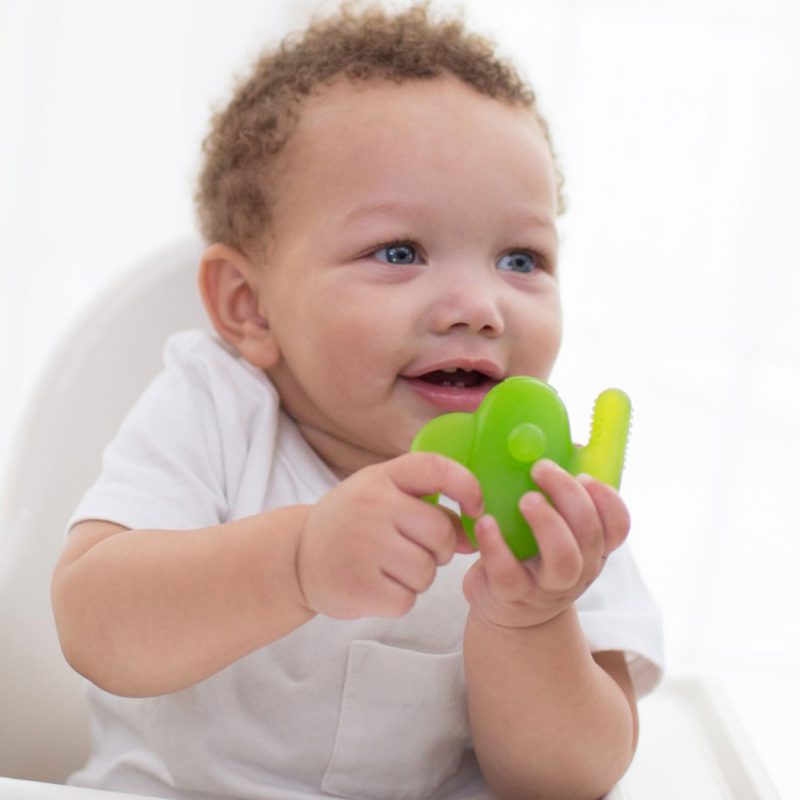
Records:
x=191, y=350
x=206, y=358
x=208, y=379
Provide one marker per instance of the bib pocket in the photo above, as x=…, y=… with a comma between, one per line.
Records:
x=403, y=725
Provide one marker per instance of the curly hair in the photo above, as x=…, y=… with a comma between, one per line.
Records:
x=232, y=198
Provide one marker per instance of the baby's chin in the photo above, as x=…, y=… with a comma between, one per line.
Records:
x=382, y=440
x=398, y=443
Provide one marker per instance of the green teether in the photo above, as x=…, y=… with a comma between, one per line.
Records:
x=520, y=421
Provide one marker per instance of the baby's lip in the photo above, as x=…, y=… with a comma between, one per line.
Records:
x=491, y=369
x=472, y=379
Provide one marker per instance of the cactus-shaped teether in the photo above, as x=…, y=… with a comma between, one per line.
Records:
x=520, y=421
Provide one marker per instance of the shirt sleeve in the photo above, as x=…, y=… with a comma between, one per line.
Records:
x=164, y=468
x=618, y=613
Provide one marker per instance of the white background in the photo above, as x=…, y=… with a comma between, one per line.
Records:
x=678, y=127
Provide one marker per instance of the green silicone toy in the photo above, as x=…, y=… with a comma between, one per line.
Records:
x=520, y=421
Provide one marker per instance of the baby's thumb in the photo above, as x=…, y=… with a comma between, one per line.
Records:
x=463, y=544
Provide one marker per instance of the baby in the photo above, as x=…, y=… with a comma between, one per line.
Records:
x=262, y=600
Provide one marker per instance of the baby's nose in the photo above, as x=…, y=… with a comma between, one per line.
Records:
x=470, y=305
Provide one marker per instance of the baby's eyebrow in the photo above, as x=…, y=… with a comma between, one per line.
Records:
x=398, y=208
x=392, y=208
x=535, y=220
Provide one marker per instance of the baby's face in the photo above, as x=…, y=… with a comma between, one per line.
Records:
x=412, y=264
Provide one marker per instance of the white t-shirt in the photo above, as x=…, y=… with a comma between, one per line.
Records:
x=372, y=708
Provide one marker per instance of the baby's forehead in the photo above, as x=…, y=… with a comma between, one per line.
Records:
x=350, y=109
x=388, y=144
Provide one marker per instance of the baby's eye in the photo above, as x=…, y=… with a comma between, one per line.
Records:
x=399, y=253
x=518, y=261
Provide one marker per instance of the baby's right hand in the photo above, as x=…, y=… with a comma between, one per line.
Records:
x=372, y=544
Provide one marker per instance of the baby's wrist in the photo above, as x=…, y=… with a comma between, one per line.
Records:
x=299, y=539
x=517, y=622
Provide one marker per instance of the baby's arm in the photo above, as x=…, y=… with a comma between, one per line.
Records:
x=146, y=612
x=548, y=719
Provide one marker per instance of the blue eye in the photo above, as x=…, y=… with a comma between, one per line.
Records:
x=518, y=261
x=399, y=253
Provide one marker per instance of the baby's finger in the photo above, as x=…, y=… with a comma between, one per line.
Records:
x=422, y=474
x=393, y=600
x=506, y=576
x=463, y=543
x=410, y=565
x=559, y=564
x=576, y=506
x=434, y=528
x=612, y=511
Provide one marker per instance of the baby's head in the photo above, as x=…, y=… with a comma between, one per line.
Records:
x=380, y=200
x=235, y=193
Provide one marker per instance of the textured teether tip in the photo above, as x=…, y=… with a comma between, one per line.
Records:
x=527, y=442
x=605, y=456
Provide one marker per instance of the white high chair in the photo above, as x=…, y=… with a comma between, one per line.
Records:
x=100, y=367
x=691, y=747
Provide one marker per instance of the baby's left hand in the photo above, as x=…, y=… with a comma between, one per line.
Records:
x=585, y=521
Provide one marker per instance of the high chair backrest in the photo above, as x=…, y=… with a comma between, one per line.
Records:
x=99, y=368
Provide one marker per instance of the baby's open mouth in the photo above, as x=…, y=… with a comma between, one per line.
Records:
x=456, y=377
x=453, y=388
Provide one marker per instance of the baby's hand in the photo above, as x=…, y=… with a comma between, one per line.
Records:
x=372, y=544
x=586, y=521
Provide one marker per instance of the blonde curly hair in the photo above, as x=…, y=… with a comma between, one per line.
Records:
x=232, y=199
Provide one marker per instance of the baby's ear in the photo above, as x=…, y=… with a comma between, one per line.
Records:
x=229, y=288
